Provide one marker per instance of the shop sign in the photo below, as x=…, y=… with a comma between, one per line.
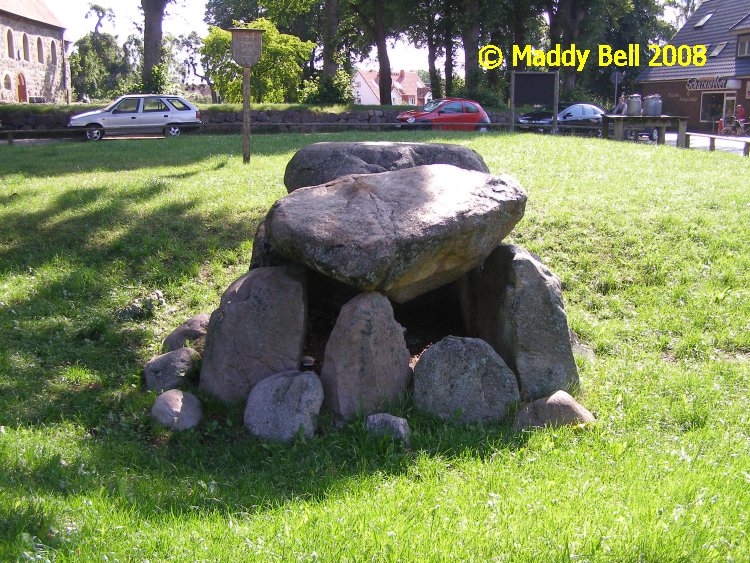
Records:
x=717, y=83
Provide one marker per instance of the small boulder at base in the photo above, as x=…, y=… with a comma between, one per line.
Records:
x=559, y=409
x=466, y=380
x=515, y=303
x=384, y=424
x=402, y=233
x=177, y=410
x=191, y=333
x=170, y=370
x=366, y=362
x=322, y=162
x=282, y=404
x=258, y=330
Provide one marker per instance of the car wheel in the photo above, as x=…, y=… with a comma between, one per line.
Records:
x=483, y=128
x=94, y=134
x=172, y=131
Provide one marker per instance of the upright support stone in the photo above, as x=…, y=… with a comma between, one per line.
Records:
x=366, y=364
x=515, y=303
x=258, y=330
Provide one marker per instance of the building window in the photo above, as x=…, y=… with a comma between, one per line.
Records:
x=11, y=46
x=53, y=53
x=715, y=105
x=26, y=56
x=704, y=19
x=39, y=50
x=743, y=46
x=7, y=84
x=718, y=49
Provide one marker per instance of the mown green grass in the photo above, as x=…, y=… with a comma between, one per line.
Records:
x=650, y=244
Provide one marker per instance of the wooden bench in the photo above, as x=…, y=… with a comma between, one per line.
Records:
x=712, y=141
x=645, y=122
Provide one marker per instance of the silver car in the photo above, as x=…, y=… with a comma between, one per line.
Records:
x=140, y=113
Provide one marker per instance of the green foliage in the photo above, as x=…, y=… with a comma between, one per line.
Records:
x=223, y=13
x=275, y=78
x=160, y=80
x=99, y=68
x=324, y=90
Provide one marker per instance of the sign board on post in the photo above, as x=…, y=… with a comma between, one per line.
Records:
x=529, y=88
x=246, y=47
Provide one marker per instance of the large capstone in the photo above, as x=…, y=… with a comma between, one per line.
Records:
x=366, y=364
x=464, y=379
x=322, y=162
x=258, y=330
x=402, y=233
x=515, y=303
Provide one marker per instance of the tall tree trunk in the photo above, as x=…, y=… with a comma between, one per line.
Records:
x=470, y=35
x=448, y=44
x=329, y=38
x=384, y=63
x=153, y=14
x=565, y=21
x=521, y=14
x=493, y=75
x=435, y=86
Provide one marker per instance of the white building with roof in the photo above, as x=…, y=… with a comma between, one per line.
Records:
x=33, y=63
x=406, y=88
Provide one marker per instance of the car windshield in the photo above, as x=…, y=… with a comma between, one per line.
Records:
x=113, y=104
x=431, y=105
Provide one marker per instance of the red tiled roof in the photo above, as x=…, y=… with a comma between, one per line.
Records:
x=35, y=10
x=407, y=86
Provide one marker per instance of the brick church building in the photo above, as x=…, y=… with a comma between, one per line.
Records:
x=33, y=63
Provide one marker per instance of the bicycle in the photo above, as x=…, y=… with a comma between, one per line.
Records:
x=729, y=125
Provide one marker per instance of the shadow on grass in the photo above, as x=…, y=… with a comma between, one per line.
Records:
x=219, y=466
x=77, y=254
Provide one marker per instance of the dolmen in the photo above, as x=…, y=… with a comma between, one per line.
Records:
x=387, y=225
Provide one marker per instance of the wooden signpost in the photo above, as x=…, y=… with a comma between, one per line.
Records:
x=246, y=46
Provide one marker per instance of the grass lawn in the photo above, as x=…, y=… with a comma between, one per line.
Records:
x=651, y=245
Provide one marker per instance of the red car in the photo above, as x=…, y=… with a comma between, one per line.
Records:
x=449, y=113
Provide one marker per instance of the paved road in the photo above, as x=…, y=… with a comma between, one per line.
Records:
x=701, y=143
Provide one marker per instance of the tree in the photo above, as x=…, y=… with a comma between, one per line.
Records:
x=372, y=14
x=470, y=34
x=582, y=22
x=222, y=13
x=641, y=23
x=101, y=14
x=683, y=9
x=99, y=66
x=191, y=46
x=424, y=31
x=275, y=78
x=153, y=16
x=330, y=39
x=448, y=32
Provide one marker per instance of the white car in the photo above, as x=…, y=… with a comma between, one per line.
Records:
x=139, y=113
